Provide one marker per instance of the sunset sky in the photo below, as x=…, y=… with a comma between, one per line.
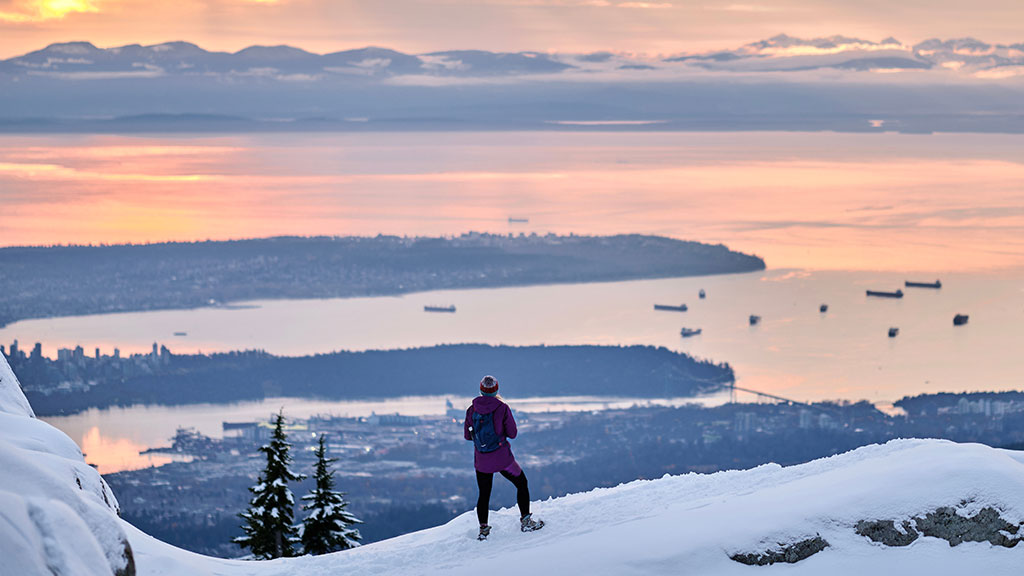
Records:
x=651, y=26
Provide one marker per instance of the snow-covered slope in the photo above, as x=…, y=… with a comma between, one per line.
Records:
x=911, y=499
x=693, y=524
x=12, y=401
x=57, y=515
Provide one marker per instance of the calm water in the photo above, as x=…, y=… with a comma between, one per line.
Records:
x=795, y=352
x=832, y=214
x=813, y=201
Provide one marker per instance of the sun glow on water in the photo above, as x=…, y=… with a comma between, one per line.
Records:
x=114, y=454
x=814, y=201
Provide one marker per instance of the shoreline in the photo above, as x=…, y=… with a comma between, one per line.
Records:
x=166, y=379
x=69, y=281
x=256, y=303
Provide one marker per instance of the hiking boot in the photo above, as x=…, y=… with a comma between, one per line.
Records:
x=528, y=524
x=485, y=531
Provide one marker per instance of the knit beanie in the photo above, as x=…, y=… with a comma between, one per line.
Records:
x=489, y=386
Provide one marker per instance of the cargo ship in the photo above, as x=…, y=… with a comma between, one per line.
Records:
x=883, y=294
x=515, y=220
x=960, y=319
x=450, y=309
x=754, y=320
x=687, y=332
x=936, y=284
x=893, y=332
x=680, y=308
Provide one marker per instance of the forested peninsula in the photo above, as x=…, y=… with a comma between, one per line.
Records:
x=529, y=371
x=44, y=282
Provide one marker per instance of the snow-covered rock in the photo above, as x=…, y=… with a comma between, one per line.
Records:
x=57, y=515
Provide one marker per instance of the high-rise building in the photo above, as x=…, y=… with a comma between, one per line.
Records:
x=806, y=419
x=745, y=422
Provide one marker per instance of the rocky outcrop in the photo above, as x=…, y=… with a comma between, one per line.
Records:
x=886, y=532
x=947, y=523
x=790, y=553
x=985, y=526
x=57, y=515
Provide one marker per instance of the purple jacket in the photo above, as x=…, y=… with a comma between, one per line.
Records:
x=504, y=425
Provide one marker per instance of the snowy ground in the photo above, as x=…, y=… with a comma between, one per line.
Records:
x=674, y=525
x=691, y=524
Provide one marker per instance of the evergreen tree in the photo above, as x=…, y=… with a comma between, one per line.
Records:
x=328, y=528
x=269, y=528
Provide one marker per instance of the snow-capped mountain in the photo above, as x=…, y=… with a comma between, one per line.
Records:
x=781, y=83
x=83, y=60
x=907, y=507
x=786, y=53
x=782, y=53
x=483, y=63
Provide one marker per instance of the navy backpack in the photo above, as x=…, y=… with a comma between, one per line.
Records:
x=484, y=437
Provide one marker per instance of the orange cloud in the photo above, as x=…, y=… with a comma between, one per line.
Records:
x=40, y=10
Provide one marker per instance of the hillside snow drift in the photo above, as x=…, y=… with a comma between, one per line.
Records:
x=57, y=515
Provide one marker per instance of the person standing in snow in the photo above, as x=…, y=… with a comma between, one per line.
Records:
x=490, y=425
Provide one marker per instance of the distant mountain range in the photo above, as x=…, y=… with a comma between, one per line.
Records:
x=83, y=60
x=835, y=83
x=785, y=53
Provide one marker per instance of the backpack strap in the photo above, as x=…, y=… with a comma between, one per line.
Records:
x=502, y=440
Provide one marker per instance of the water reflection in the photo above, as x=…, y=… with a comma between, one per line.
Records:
x=795, y=351
x=110, y=453
x=819, y=201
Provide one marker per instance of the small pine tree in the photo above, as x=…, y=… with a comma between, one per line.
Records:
x=328, y=527
x=269, y=528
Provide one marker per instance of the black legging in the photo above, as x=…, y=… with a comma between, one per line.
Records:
x=484, y=481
